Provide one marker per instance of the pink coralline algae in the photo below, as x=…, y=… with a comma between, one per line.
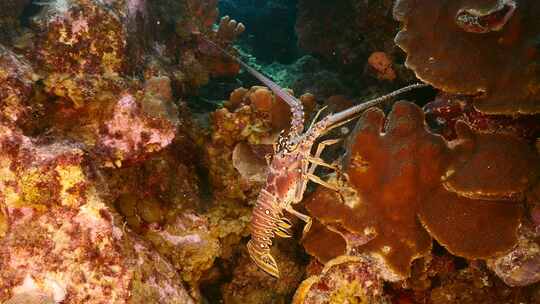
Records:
x=520, y=266
x=128, y=134
x=16, y=79
x=80, y=37
x=63, y=242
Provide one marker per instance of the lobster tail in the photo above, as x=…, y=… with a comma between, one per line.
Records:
x=263, y=259
x=266, y=222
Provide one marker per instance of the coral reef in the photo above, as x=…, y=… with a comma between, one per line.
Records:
x=504, y=35
x=409, y=189
x=10, y=25
x=63, y=242
x=345, y=279
x=111, y=190
x=80, y=37
x=491, y=166
x=442, y=279
x=187, y=243
x=99, y=191
x=16, y=78
x=446, y=109
x=245, y=128
x=252, y=285
x=520, y=266
x=397, y=198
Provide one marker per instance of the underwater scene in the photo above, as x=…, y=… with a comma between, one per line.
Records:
x=270, y=151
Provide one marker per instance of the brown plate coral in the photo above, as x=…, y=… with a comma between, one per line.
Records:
x=486, y=48
x=401, y=192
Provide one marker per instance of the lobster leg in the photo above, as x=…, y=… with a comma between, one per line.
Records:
x=282, y=228
x=310, y=176
x=317, y=161
x=310, y=169
x=318, y=180
x=301, y=216
x=320, y=162
x=322, y=145
x=263, y=259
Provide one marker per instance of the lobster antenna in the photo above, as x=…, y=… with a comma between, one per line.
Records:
x=296, y=105
x=356, y=110
x=293, y=102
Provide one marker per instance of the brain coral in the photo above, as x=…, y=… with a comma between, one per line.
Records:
x=488, y=48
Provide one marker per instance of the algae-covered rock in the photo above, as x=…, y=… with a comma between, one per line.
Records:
x=64, y=243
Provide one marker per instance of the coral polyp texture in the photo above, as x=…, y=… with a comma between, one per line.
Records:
x=488, y=49
x=395, y=201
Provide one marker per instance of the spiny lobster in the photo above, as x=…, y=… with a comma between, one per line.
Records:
x=291, y=167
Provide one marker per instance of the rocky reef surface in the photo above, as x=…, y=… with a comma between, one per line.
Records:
x=112, y=190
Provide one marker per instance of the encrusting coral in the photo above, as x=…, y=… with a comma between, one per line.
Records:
x=345, y=279
x=491, y=166
x=395, y=201
x=446, y=110
x=16, y=78
x=63, y=242
x=389, y=185
x=90, y=125
x=502, y=72
x=520, y=266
